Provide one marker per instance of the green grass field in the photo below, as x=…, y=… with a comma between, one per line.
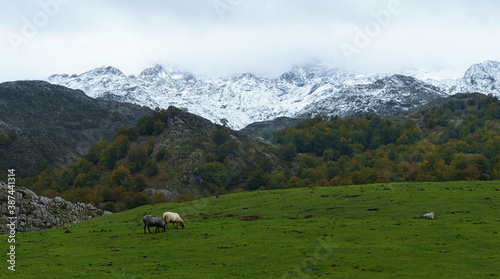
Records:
x=363, y=231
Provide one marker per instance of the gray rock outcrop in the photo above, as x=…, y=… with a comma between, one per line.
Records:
x=35, y=213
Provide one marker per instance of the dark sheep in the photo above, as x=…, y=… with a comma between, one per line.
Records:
x=153, y=221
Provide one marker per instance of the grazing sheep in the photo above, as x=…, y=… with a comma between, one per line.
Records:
x=427, y=215
x=172, y=217
x=153, y=221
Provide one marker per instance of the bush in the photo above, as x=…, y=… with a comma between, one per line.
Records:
x=258, y=179
x=159, y=198
x=220, y=136
x=266, y=165
x=138, y=200
x=288, y=152
x=215, y=174
x=162, y=151
x=151, y=168
x=138, y=155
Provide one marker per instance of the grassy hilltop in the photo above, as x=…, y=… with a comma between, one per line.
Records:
x=365, y=231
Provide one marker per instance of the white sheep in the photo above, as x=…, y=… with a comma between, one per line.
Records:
x=172, y=217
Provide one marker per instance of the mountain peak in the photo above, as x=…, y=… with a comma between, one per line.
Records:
x=482, y=77
x=246, y=98
x=156, y=70
x=106, y=70
x=487, y=67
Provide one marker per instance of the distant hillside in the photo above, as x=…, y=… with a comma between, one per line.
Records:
x=50, y=124
x=457, y=139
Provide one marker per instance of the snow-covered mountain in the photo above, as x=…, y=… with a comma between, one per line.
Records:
x=483, y=78
x=384, y=96
x=244, y=99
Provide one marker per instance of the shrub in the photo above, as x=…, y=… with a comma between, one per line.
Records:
x=151, y=168
x=160, y=154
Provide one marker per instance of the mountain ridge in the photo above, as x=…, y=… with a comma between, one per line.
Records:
x=53, y=124
x=245, y=98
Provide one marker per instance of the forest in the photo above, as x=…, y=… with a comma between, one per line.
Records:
x=453, y=141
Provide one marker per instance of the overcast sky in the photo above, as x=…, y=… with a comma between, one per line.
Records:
x=265, y=37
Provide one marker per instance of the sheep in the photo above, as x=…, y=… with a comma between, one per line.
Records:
x=172, y=217
x=427, y=215
x=153, y=221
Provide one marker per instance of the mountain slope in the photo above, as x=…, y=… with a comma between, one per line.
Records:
x=54, y=124
x=167, y=154
x=385, y=96
x=241, y=99
x=308, y=90
x=481, y=78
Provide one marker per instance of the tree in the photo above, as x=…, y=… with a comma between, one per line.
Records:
x=258, y=179
x=140, y=182
x=160, y=154
x=122, y=144
x=288, y=152
x=145, y=125
x=159, y=126
x=222, y=152
x=5, y=139
x=109, y=157
x=215, y=174
x=138, y=155
x=224, y=122
x=220, y=136
x=403, y=140
x=130, y=132
x=266, y=165
x=151, y=168
x=139, y=199
x=121, y=177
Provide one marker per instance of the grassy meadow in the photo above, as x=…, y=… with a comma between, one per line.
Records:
x=363, y=231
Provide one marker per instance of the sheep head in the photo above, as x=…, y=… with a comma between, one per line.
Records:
x=182, y=224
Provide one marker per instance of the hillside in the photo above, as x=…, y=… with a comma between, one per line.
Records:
x=454, y=140
x=166, y=155
x=51, y=124
x=175, y=155
x=333, y=232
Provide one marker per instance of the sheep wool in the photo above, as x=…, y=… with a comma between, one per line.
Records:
x=153, y=221
x=174, y=218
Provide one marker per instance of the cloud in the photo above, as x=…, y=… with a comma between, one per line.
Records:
x=234, y=36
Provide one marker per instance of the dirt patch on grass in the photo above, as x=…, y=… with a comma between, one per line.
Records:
x=250, y=218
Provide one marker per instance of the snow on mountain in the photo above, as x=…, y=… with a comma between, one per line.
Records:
x=241, y=99
x=483, y=78
x=246, y=98
x=384, y=96
x=444, y=78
